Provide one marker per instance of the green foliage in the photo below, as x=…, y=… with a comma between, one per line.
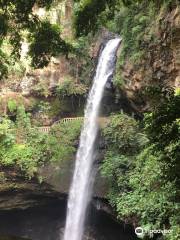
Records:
x=15, y=151
x=135, y=23
x=162, y=127
x=91, y=13
x=3, y=64
x=145, y=183
x=177, y=92
x=2, y=177
x=139, y=22
x=30, y=154
x=25, y=148
x=46, y=42
x=133, y=20
x=55, y=108
x=118, y=81
x=22, y=119
x=123, y=141
x=81, y=64
x=150, y=199
x=6, y=138
x=10, y=65
x=43, y=106
x=174, y=221
x=12, y=105
x=67, y=134
x=16, y=18
x=114, y=168
x=86, y=15
x=70, y=88
x=122, y=135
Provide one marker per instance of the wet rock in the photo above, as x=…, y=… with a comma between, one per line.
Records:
x=161, y=64
x=12, y=238
x=59, y=176
x=17, y=192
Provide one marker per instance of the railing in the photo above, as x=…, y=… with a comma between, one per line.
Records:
x=65, y=120
x=46, y=129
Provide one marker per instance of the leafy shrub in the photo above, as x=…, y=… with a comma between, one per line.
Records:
x=3, y=64
x=86, y=16
x=162, y=127
x=17, y=17
x=123, y=140
x=118, y=81
x=12, y=105
x=70, y=88
x=46, y=42
x=22, y=118
x=6, y=137
x=25, y=148
x=67, y=135
x=145, y=183
x=122, y=135
x=81, y=64
x=150, y=199
x=177, y=92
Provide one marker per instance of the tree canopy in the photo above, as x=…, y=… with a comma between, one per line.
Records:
x=17, y=18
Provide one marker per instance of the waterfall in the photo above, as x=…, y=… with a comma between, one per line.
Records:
x=81, y=187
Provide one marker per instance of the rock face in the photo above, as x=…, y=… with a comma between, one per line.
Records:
x=34, y=82
x=59, y=177
x=7, y=95
x=11, y=238
x=161, y=63
x=17, y=192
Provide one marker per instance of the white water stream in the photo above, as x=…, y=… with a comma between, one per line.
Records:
x=81, y=187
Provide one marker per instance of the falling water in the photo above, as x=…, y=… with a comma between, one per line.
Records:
x=81, y=187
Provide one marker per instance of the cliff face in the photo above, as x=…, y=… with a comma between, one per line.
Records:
x=18, y=192
x=160, y=65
